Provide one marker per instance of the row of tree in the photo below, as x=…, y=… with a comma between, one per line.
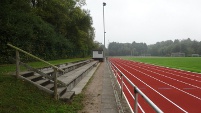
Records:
x=124, y=49
x=50, y=29
x=164, y=48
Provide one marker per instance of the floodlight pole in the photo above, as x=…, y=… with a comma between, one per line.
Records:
x=104, y=4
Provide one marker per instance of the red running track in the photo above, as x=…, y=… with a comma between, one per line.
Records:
x=173, y=91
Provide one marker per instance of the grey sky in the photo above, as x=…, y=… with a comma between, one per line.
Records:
x=147, y=21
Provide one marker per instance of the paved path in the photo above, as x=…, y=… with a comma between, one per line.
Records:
x=108, y=101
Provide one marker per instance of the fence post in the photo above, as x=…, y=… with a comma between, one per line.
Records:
x=121, y=85
x=136, y=101
x=116, y=72
x=55, y=85
x=17, y=64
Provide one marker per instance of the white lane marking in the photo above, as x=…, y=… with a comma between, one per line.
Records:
x=166, y=83
x=155, y=91
x=171, y=73
x=183, y=72
x=170, y=78
x=189, y=88
x=164, y=88
x=116, y=74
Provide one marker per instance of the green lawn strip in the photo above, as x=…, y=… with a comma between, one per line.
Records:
x=18, y=96
x=185, y=63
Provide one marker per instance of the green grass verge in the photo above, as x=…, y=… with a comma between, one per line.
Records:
x=18, y=96
x=185, y=63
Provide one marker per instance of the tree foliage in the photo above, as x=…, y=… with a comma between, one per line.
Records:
x=50, y=29
x=164, y=48
x=125, y=49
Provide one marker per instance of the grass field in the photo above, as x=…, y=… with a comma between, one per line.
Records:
x=18, y=96
x=185, y=63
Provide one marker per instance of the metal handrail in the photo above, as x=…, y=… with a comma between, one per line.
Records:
x=55, y=67
x=137, y=90
x=18, y=68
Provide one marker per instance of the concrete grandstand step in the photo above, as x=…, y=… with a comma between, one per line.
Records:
x=74, y=73
x=27, y=73
x=34, y=77
x=50, y=86
x=69, y=77
x=73, y=78
x=61, y=90
x=67, y=96
x=43, y=82
x=66, y=68
x=78, y=88
x=38, y=84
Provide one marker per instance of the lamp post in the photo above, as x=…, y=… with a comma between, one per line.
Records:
x=104, y=4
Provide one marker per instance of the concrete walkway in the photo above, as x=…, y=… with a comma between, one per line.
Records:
x=108, y=100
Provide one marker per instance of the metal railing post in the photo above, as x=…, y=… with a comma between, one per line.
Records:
x=55, y=85
x=116, y=73
x=17, y=64
x=136, y=101
x=121, y=86
x=116, y=77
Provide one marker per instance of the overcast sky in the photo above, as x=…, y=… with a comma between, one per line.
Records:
x=147, y=21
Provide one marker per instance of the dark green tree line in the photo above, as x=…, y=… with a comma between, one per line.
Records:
x=127, y=49
x=50, y=29
x=164, y=48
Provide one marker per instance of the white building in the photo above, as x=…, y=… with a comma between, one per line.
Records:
x=98, y=54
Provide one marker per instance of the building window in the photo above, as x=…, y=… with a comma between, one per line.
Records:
x=100, y=52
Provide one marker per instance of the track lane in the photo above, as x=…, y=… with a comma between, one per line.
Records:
x=127, y=89
x=181, y=73
x=189, y=85
x=180, y=100
x=176, y=71
x=166, y=90
x=151, y=92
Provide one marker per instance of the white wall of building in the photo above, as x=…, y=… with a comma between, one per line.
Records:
x=97, y=54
